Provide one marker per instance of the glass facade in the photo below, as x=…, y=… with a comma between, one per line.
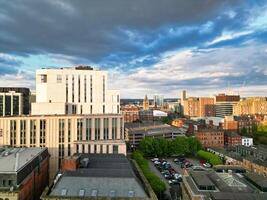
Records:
x=7, y=105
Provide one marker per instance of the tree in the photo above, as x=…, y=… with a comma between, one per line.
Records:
x=160, y=147
x=244, y=131
x=194, y=145
x=180, y=146
x=146, y=147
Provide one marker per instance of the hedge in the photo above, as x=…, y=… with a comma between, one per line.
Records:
x=210, y=157
x=157, y=185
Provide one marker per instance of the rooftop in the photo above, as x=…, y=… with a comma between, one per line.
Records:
x=105, y=175
x=14, y=159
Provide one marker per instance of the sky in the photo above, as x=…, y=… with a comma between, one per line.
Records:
x=148, y=46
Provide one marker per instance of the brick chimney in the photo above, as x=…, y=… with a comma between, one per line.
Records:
x=70, y=163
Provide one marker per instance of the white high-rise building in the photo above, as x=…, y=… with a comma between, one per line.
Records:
x=79, y=90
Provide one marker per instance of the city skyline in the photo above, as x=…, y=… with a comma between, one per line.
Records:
x=206, y=47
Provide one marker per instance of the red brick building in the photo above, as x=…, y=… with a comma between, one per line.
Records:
x=232, y=139
x=24, y=173
x=130, y=113
x=210, y=137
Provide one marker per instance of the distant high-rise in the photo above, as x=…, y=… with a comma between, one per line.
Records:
x=158, y=100
x=199, y=107
x=14, y=101
x=224, y=104
x=183, y=96
x=255, y=105
x=78, y=90
x=146, y=103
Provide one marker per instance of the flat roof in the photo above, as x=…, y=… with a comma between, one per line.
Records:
x=238, y=196
x=106, y=175
x=14, y=159
x=260, y=181
x=201, y=178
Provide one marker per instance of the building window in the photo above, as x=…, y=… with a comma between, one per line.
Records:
x=106, y=126
x=61, y=124
x=85, y=89
x=67, y=89
x=79, y=129
x=79, y=89
x=43, y=78
x=13, y=132
x=72, y=83
x=42, y=132
x=8, y=105
x=88, y=129
x=114, y=128
x=104, y=109
x=33, y=133
x=1, y=105
x=91, y=88
x=91, y=109
x=97, y=129
x=69, y=130
x=69, y=150
x=118, y=98
x=115, y=149
x=59, y=78
x=16, y=105
x=23, y=132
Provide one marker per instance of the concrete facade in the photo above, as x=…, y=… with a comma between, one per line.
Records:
x=65, y=135
x=79, y=90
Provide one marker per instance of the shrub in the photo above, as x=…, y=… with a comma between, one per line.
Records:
x=210, y=157
x=157, y=185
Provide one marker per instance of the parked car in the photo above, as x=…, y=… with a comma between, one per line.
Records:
x=198, y=168
x=173, y=182
x=207, y=165
x=177, y=176
x=154, y=159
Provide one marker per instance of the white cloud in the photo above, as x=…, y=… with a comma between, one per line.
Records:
x=202, y=72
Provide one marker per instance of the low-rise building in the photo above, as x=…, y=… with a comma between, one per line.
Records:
x=130, y=113
x=200, y=185
x=210, y=137
x=24, y=173
x=247, y=141
x=135, y=132
x=91, y=176
x=232, y=139
x=239, y=123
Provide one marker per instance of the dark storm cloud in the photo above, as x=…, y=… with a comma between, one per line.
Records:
x=92, y=29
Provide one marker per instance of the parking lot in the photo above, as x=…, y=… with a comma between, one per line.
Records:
x=170, y=172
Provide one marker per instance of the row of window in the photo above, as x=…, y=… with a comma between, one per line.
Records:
x=97, y=148
x=84, y=127
x=79, y=88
